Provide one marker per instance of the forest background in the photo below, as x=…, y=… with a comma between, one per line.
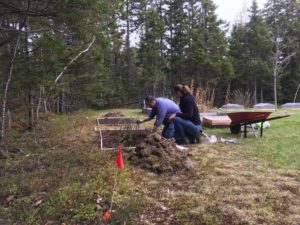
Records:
x=62, y=56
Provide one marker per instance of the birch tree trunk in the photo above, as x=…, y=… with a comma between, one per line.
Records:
x=275, y=89
x=44, y=100
x=128, y=50
x=39, y=105
x=6, y=88
x=280, y=62
x=255, y=89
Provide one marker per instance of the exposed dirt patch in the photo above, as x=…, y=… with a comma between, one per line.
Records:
x=160, y=155
x=115, y=121
x=113, y=138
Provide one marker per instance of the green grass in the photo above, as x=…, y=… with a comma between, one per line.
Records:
x=279, y=146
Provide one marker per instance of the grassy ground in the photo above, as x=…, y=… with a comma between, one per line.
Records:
x=64, y=178
x=279, y=145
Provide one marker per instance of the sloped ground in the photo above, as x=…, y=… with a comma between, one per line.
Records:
x=63, y=178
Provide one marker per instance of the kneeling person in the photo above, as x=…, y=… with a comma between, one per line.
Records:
x=187, y=123
x=162, y=109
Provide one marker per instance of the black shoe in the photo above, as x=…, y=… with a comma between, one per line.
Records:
x=182, y=141
x=192, y=140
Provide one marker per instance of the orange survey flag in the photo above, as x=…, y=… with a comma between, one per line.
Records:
x=106, y=215
x=119, y=160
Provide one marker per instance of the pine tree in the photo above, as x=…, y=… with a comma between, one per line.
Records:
x=177, y=39
x=149, y=62
x=259, y=49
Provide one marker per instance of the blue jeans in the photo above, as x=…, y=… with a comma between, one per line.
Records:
x=185, y=129
x=168, y=130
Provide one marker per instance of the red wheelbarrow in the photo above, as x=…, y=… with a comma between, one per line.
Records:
x=239, y=119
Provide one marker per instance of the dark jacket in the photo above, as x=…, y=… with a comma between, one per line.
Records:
x=189, y=109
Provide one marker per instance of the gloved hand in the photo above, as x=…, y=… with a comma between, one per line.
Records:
x=138, y=122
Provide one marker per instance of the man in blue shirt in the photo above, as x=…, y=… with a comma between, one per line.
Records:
x=163, y=109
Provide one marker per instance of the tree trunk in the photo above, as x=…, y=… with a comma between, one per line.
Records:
x=57, y=104
x=60, y=105
x=261, y=94
x=63, y=102
x=129, y=61
x=30, y=109
x=6, y=88
x=255, y=89
x=9, y=119
x=39, y=105
x=45, y=100
x=275, y=90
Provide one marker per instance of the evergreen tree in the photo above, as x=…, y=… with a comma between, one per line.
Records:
x=207, y=59
x=50, y=37
x=177, y=39
x=150, y=49
x=259, y=49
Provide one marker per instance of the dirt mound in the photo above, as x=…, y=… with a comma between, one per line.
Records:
x=114, y=114
x=127, y=137
x=160, y=155
x=115, y=121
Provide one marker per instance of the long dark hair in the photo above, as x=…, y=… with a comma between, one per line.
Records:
x=182, y=89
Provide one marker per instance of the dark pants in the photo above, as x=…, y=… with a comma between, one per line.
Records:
x=168, y=130
x=185, y=129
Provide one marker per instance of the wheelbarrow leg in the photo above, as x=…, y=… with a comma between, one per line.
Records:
x=261, y=128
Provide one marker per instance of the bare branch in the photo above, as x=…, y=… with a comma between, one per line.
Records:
x=287, y=58
x=37, y=12
x=23, y=31
x=75, y=58
x=281, y=65
x=296, y=92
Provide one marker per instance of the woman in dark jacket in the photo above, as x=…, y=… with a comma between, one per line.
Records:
x=187, y=123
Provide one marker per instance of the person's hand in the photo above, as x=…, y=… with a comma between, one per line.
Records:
x=138, y=122
x=172, y=116
x=155, y=129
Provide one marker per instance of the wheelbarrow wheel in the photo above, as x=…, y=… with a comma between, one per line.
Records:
x=235, y=129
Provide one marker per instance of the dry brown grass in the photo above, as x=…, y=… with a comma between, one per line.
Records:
x=228, y=189
x=245, y=98
x=204, y=97
x=227, y=94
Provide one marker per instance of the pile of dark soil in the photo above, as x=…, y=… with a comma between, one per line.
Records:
x=114, y=114
x=115, y=121
x=160, y=155
x=127, y=138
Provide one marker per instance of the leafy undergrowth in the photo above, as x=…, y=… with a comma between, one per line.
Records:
x=64, y=178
